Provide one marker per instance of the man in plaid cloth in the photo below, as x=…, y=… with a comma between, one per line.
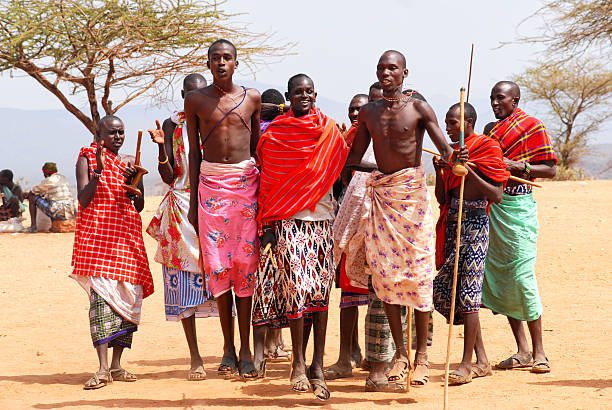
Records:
x=109, y=259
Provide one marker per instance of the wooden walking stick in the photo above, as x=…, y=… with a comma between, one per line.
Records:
x=457, y=247
x=140, y=171
x=409, y=347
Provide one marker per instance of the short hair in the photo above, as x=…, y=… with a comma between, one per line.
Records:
x=223, y=41
x=402, y=57
x=513, y=86
x=468, y=110
x=414, y=94
x=293, y=79
x=105, y=119
x=376, y=85
x=272, y=96
x=193, y=81
x=7, y=173
x=360, y=95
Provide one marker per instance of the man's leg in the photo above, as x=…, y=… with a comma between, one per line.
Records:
x=401, y=368
x=32, y=209
x=298, y=367
x=471, y=324
x=343, y=368
x=189, y=326
x=535, y=329
x=355, y=348
x=319, y=325
x=482, y=361
x=102, y=352
x=421, y=365
x=224, y=305
x=261, y=334
x=519, y=336
x=243, y=307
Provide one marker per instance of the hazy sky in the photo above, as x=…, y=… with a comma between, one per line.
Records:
x=339, y=42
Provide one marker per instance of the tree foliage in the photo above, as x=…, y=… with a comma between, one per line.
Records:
x=572, y=27
x=577, y=94
x=114, y=51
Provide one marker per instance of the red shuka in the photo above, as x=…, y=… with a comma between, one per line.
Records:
x=108, y=240
x=487, y=155
x=350, y=135
x=300, y=160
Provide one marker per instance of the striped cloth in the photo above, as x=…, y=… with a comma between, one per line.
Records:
x=350, y=135
x=186, y=294
x=300, y=160
x=108, y=240
x=523, y=138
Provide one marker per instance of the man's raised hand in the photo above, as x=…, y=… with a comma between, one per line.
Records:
x=100, y=152
x=157, y=134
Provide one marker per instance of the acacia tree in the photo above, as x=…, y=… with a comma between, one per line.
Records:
x=114, y=51
x=572, y=27
x=577, y=95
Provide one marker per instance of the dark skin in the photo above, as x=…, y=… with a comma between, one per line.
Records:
x=18, y=196
x=349, y=316
x=477, y=186
x=396, y=129
x=302, y=96
x=110, y=136
x=163, y=137
x=230, y=142
x=504, y=100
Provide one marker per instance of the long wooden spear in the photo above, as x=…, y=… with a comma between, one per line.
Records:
x=459, y=170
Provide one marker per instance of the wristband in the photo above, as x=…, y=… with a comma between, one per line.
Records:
x=281, y=108
x=163, y=162
x=527, y=169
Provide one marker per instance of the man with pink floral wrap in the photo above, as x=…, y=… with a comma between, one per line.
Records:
x=223, y=130
x=399, y=227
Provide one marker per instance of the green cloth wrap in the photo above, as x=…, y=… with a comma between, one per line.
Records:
x=510, y=285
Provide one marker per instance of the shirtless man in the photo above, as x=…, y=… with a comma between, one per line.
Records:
x=399, y=228
x=224, y=119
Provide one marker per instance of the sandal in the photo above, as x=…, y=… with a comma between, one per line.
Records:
x=196, y=375
x=261, y=373
x=541, y=366
x=319, y=388
x=247, y=370
x=372, y=386
x=122, y=375
x=400, y=372
x=480, y=372
x=300, y=383
x=457, y=378
x=228, y=366
x=278, y=353
x=97, y=382
x=515, y=362
x=420, y=375
x=334, y=372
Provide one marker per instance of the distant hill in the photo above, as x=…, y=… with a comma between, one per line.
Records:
x=598, y=161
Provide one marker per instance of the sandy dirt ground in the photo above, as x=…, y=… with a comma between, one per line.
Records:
x=46, y=352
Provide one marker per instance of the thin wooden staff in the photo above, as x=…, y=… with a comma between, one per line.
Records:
x=457, y=247
x=512, y=177
x=470, y=75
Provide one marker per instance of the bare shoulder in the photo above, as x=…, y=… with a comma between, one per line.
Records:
x=197, y=95
x=253, y=95
x=423, y=108
x=369, y=109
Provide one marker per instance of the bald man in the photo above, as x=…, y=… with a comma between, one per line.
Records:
x=399, y=225
x=510, y=286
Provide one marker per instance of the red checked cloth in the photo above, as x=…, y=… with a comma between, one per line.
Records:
x=523, y=138
x=108, y=241
x=300, y=160
x=487, y=155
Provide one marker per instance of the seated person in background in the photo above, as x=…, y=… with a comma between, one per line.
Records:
x=12, y=196
x=52, y=196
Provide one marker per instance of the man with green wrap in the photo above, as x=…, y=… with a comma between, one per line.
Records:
x=510, y=286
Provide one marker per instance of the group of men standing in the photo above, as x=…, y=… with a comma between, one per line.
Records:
x=250, y=220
